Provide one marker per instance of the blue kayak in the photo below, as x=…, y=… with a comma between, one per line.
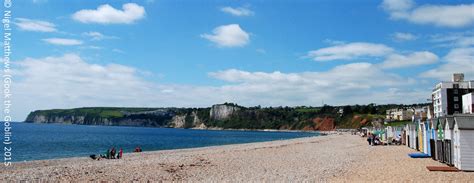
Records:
x=418, y=155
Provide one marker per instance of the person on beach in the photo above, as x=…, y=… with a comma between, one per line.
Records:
x=107, y=154
x=369, y=138
x=112, y=153
x=119, y=156
x=138, y=149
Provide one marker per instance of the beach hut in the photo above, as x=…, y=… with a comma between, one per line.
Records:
x=420, y=134
x=448, y=136
x=426, y=131
x=433, y=137
x=406, y=138
x=411, y=136
x=463, y=142
x=439, y=127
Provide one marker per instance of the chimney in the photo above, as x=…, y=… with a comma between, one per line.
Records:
x=458, y=77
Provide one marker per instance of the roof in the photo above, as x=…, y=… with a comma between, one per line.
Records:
x=440, y=120
x=465, y=122
x=450, y=122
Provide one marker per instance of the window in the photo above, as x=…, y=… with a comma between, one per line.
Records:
x=456, y=99
x=455, y=91
x=456, y=106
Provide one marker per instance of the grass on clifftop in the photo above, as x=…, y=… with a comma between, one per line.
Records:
x=102, y=112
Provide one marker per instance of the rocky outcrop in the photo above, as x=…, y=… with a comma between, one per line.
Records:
x=178, y=121
x=324, y=124
x=222, y=111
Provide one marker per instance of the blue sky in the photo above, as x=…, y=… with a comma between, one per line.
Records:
x=270, y=53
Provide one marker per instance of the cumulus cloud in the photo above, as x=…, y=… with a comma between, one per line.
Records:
x=458, y=60
x=349, y=51
x=69, y=81
x=35, y=25
x=453, y=16
x=402, y=36
x=228, y=36
x=240, y=11
x=413, y=59
x=96, y=36
x=343, y=84
x=457, y=39
x=397, y=8
x=63, y=42
x=106, y=14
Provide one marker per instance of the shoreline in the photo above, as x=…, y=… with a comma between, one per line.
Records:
x=195, y=128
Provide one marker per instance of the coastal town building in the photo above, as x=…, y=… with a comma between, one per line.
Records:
x=399, y=114
x=468, y=103
x=447, y=95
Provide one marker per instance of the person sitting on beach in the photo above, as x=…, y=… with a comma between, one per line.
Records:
x=138, y=149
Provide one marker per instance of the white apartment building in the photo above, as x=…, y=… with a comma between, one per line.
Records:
x=399, y=114
x=447, y=95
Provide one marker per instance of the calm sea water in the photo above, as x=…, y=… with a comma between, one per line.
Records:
x=48, y=141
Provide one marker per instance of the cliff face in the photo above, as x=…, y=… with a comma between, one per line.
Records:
x=227, y=116
x=222, y=111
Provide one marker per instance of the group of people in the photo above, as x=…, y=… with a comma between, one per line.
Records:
x=113, y=154
x=373, y=139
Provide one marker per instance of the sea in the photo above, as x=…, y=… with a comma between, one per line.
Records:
x=52, y=141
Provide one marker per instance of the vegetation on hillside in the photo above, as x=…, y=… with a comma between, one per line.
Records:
x=294, y=118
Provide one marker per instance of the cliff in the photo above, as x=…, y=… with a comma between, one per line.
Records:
x=227, y=116
x=223, y=111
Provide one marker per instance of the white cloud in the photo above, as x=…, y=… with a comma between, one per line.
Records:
x=240, y=11
x=397, y=8
x=349, y=51
x=106, y=14
x=458, y=60
x=447, y=16
x=344, y=84
x=96, y=36
x=414, y=59
x=63, y=42
x=402, y=36
x=459, y=39
x=228, y=36
x=35, y=25
x=69, y=81
x=453, y=16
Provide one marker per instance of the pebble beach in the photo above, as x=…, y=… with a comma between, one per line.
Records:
x=339, y=157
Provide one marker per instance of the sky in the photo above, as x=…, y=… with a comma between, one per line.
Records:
x=164, y=53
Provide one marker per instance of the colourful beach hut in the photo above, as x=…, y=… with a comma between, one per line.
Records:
x=433, y=138
x=448, y=136
x=420, y=134
x=439, y=127
x=463, y=142
x=411, y=136
x=426, y=131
